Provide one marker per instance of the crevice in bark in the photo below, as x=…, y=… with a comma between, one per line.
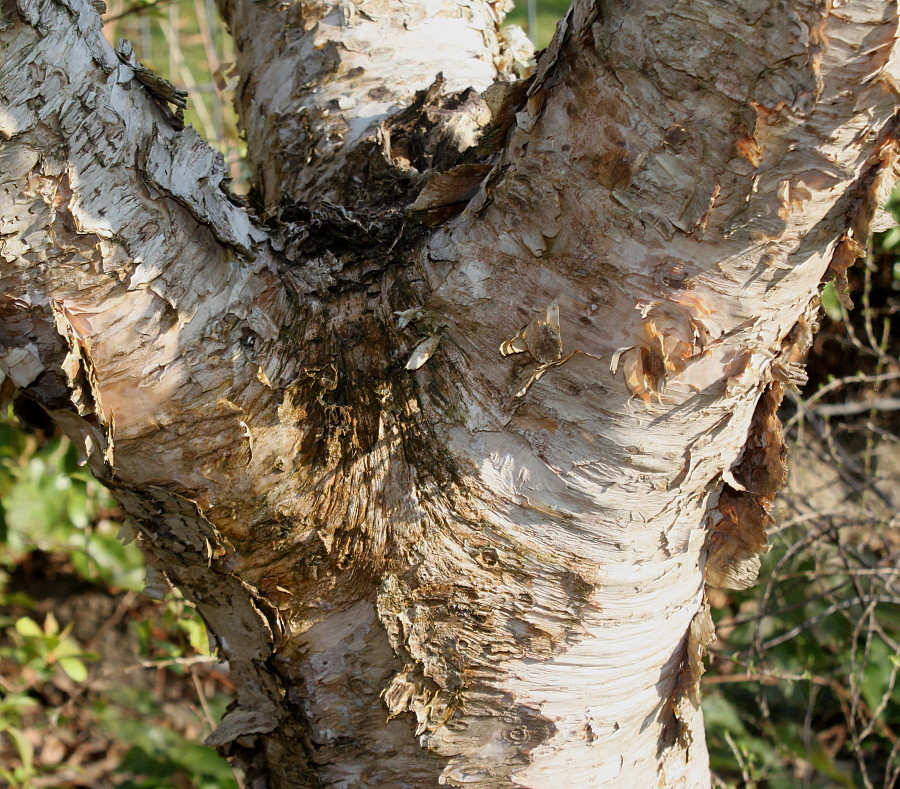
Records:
x=352, y=251
x=429, y=148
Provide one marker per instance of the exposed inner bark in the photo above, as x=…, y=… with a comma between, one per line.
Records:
x=445, y=450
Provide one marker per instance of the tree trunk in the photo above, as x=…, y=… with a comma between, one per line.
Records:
x=446, y=434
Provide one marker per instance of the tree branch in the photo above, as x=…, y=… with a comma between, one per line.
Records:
x=636, y=272
x=113, y=219
x=140, y=307
x=318, y=79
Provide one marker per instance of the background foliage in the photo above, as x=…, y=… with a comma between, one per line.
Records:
x=105, y=683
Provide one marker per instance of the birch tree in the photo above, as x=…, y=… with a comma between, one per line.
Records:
x=448, y=428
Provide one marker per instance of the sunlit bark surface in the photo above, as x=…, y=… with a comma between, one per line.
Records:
x=446, y=444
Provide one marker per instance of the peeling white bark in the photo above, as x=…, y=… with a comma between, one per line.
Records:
x=467, y=473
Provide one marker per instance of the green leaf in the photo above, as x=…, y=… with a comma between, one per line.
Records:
x=26, y=626
x=17, y=701
x=721, y=714
x=196, y=633
x=876, y=676
x=891, y=239
x=831, y=303
x=106, y=557
x=76, y=670
x=51, y=626
x=24, y=748
x=69, y=648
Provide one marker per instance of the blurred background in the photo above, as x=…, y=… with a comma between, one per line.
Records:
x=106, y=677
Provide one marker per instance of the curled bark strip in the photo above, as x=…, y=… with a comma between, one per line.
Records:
x=456, y=186
x=870, y=193
x=737, y=540
x=685, y=701
x=738, y=532
x=762, y=470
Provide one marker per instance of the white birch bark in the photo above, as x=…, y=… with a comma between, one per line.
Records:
x=446, y=484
